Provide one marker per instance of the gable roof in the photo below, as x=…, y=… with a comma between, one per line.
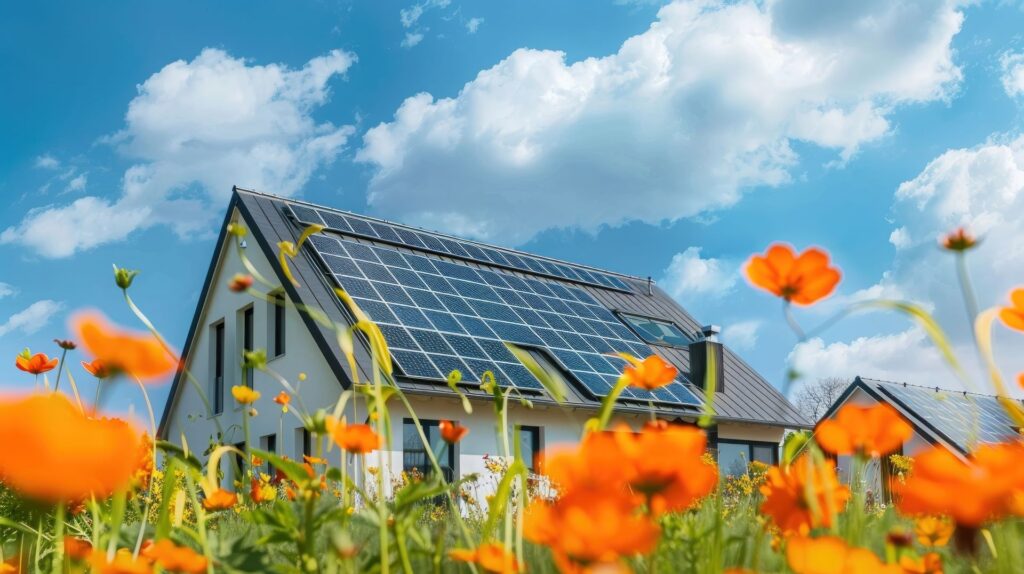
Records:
x=956, y=419
x=591, y=298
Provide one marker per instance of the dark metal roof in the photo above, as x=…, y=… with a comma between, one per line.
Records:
x=747, y=397
x=956, y=419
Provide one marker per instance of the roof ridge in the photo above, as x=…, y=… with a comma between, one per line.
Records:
x=936, y=389
x=441, y=234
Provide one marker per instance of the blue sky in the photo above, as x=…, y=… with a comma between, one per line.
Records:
x=670, y=141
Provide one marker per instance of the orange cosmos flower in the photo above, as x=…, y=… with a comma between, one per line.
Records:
x=490, y=557
x=240, y=282
x=121, y=351
x=873, y=431
x=123, y=563
x=802, y=279
x=76, y=548
x=1013, y=315
x=930, y=563
x=933, y=531
x=220, y=499
x=173, y=558
x=451, y=432
x=357, y=439
x=53, y=452
x=283, y=399
x=36, y=364
x=96, y=368
x=803, y=495
x=669, y=483
x=958, y=240
x=244, y=395
x=649, y=374
x=831, y=555
x=988, y=486
x=1020, y=380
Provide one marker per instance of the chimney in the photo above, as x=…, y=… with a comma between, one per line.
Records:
x=705, y=352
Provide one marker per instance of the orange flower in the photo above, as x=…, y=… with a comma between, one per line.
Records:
x=873, y=431
x=1013, y=315
x=1020, y=380
x=220, y=499
x=260, y=490
x=649, y=374
x=803, y=279
x=138, y=354
x=96, y=368
x=987, y=486
x=53, y=452
x=123, y=563
x=451, y=432
x=930, y=563
x=244, y=395
x=76, y=548
x=669, y=483
x=283, y=399
x=803, y=495
x=958, y=240
x=240, y=282
x=36, y=364
x=831, y=555
x=357, y=439
x=933, y=531
x=490, y=557
x=173, y=558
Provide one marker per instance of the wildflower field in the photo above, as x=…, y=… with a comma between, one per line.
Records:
x=81, y=491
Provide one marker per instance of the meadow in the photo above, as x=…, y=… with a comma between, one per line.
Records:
x=86, y=492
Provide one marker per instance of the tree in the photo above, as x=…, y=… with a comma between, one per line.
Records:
x=814, y=399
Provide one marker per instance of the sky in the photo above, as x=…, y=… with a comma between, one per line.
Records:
x=662, y=139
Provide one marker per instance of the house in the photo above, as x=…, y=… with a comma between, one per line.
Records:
x=957, y=420
x=445, y=304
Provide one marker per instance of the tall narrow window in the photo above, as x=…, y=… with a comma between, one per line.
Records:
x=269, y=444
x=529, y=446
x=414, y=453
x=247, y=327
x=218, y=368
x=278, y=324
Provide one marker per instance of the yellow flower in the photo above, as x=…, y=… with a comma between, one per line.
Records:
x=933, y=531
x=244, y=395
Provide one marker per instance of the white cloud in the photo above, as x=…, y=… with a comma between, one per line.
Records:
x=411, y=15
x=77, y=183
x=900, y=238
x=47, y=161
x=412, y=39
x=690, y=275
x=741, y=335
x=1013, y=73
x=473, y=24
x=32, y=318
x=197, y=128
x=682, y=119
x=6, y=290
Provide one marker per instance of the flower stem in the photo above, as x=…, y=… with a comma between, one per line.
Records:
x=60, y=369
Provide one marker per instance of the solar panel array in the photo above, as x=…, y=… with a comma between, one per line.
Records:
x=400, y=235
x=439, y=316
x=959, y=417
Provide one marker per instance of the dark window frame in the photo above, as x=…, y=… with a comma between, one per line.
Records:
x=248, y=342
x=278, y=340
x=624, y=316
x=536, y=444
x=218, y=366
x=750, y=444
x=269, y=443
x=447, y=457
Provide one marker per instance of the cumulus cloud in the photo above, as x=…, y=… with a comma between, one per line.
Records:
x=473, y=24
x=741, y=335
x=412, y=39
x=690, y=275
x=32, y=318
x=77, y=183
x=1013, y=73
x=47, y=161
x=6, y=290
x=195, y=129
x=680, y=120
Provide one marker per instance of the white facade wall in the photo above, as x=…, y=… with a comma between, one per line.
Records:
x=188, y=419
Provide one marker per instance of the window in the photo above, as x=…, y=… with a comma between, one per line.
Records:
x=277, y=310
x=529, y=446
x=269, y=444
x=414, y=455
x=218, y=368
x=656, y=331
x=247, y=344
x=303, y=443
x=238, y=462
x=734, y=456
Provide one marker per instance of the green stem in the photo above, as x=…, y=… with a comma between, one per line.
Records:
x=58, y=540
x=60, y=369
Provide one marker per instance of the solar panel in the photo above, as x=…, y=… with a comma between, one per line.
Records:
x=439, y=316
x=379, y=230
x=963, y=419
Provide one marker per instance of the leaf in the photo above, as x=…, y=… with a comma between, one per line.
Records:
x=180, y=454
x=293, y=470
x=553, y=383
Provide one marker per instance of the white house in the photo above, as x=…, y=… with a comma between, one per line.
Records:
x=446, y=303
